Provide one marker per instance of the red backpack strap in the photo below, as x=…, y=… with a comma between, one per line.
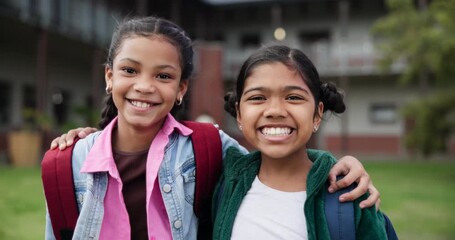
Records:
x=57, y=176
x=208, y=157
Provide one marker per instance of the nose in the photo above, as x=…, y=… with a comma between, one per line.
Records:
x=275, y=108
x=145, y=84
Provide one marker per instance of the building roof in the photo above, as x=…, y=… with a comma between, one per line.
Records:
x=237, y=2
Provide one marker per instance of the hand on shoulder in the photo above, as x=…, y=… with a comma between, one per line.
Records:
x=67, y=139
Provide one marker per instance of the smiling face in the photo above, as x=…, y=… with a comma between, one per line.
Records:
x=277, y=111
x=145, y=82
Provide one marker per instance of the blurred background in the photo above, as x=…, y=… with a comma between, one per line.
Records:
x=52, y=75
x=394, y=59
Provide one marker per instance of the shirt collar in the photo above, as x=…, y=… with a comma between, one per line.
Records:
x=100, y=157
x=170, y=124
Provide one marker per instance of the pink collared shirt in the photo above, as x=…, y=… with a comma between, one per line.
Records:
x=116, y=223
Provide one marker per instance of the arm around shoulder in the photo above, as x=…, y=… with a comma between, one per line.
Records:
x=228, y=141
x=370, y=223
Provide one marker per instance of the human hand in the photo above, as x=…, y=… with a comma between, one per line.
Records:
x=353, y=171
x=67, y=139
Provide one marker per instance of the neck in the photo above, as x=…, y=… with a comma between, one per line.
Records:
x=129, y=139
x=286, y=174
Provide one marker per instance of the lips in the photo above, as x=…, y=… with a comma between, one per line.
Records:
x=276, y=131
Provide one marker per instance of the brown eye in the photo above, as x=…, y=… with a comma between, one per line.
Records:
x=129, y=70
x=294, y=98
x=256, y=98
x=164, y=76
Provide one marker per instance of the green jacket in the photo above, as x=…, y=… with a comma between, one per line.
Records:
x=239, y=173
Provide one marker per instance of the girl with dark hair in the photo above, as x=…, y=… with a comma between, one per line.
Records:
x=278, y=191
x=120, y=172
x=135, y=178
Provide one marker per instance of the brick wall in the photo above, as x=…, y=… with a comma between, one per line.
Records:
x=386, y=145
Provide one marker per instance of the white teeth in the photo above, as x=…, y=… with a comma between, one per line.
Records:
x=140, y=104
x=282, y=131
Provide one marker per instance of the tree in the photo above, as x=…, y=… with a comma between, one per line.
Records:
x=423, y=36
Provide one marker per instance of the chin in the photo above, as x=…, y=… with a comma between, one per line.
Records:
x=279, y=152
x=274, y=153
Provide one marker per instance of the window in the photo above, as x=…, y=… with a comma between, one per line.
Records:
x=29, y=102
x=218, y=37
x=5, y=100
x=60, y=105
x=313, y=36
x=29, y=94
x=315, y=44
x=383, y=113
x=250, y=40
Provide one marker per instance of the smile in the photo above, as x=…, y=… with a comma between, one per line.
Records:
x=277, y=131
x=140, y=104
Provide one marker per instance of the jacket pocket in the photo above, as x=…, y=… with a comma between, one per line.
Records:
x=188, y=174
x=80, y=188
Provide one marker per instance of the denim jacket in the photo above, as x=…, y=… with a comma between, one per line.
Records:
x=177, y=170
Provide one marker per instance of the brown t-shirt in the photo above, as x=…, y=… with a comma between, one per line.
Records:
x=132, y=169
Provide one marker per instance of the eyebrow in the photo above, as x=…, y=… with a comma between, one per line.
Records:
x=253, y=89
x=287, y=88
x=163, y=66
x=166, y=66
x=129, y=60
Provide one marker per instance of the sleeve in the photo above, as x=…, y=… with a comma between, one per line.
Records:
x=216, y=198
x=49, y=232
x=227, y=142
x=369, y=222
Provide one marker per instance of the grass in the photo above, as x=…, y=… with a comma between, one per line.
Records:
x=419, y=197
x=22, y=207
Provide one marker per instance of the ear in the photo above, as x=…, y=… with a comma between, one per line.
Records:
x=318, y=114
x=183, y=87
x=238, y=116
x=108, y=75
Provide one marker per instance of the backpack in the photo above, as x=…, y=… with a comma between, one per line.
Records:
x=340, y=217
x=57, y=177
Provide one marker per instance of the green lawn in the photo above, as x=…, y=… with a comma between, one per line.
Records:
x=22, y=207
x=418, y=197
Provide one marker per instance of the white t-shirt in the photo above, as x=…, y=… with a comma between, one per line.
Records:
x=267, y=213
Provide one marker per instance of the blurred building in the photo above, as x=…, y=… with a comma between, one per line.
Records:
x=53, y=53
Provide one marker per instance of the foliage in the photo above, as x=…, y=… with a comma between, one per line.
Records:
x=424, y=38
x=435, y=114
x=81, y=115
x=36, y=120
